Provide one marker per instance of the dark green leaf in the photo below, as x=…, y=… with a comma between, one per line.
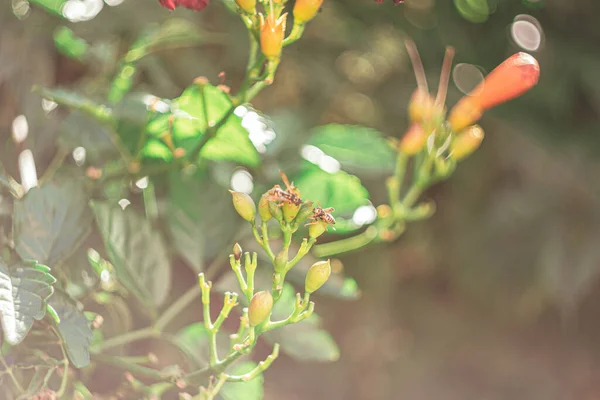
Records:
x=137, y=252
x=339, y=190
x=357, y=148
x=24, y=290
x=50, y=221
x=201, y=217
x=74, y=328
x=94, y=138
x=251, y=390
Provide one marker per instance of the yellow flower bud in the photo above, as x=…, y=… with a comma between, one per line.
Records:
x=422, y=108
x=263, y=208
x=466, y=142
x=316, y=229
x=305, y=10
x=275, y=211
x=290, y=211
x=272, y=31
x=464, y=113
x=414, y=140
x=260, y=307
x=248, y=6
x=317, y=276
x=244, y=205
x=306, y=210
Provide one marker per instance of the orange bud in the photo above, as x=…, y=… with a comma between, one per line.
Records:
x=272, y=31
x=515, y=76
x=466, y=142
x=305, y=10
x=260, y=307
x=413, y=140
x=248, y=6
x=422, y=107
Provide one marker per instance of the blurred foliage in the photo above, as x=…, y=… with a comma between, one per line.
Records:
x=496, y=296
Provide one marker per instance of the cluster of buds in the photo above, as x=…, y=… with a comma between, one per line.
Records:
x=291, y=212
x=458, y=137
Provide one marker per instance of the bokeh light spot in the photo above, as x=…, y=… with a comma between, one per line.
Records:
x=527, y=32
x=242, y=181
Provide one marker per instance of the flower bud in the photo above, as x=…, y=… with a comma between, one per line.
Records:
x=515, y=76
x=272, y=31
x=260, y=307
x=248, y=6
x=414, y=140
x=263, y=208
x=275, y=211
x=305, y=10
x=306, y=210
x=316, y=229
x=290, y=211
x=244, y=205
x=281, y=260
x=466, y=142
x=317, y=276
x=237, y=251
x=422, y=108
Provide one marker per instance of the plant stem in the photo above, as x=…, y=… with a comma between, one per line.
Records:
x=177, y=307
x=127, y=366
x=146, y=333
x=8, y=370
x=345, y=245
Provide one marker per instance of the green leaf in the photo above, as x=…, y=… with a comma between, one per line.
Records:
x=75, y=101
x=357, y=148
x=74, y=328
x=339, y=190
x=50, y=221
x=192, y=112
x=201, y=217
x=69, y=44
x=251, y=390
x=305, y=341
x=193, y=339
x=24, y=291
x=137, y=252
x=95, y=138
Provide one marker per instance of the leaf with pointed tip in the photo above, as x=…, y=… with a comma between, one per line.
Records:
x=74, y=328
x=24, y=291
x=137, y=251
x=50, y=221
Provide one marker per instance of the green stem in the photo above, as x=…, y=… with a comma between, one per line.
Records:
x=177, y=307
x=412, y=196
x=397, y=179
x=65, y=378
x=295, y=34
x=127, y=366
x=9, y=372
x=264, y=240
x=304, y=249
x=345, y=245
x=146, y=333
x=150, y=204
x=55, y=164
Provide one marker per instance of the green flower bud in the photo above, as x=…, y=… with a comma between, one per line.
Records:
x=317, y=276
x=281, y=260
x=244, y=205
x=290, y=211
x=275, y=211
x=237, y=251
x=306, y=210
x=263, y=208
x=260, y=307
x=316, y=229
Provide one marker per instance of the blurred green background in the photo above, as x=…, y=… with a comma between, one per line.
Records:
x=496, y=296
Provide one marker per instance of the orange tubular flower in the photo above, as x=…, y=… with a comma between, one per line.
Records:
x=272, y=31
x=305, y=10
x=515, y=76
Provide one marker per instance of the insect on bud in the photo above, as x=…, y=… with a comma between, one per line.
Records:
x=414, y=140
x=248, y=6
x=290, y=211
x=317, y=276
x=272, y=31
x=305, y=10
x=466, y=142
x=263, y=208
x=306, y=210
x=281, y=260
x=260, y=307
x=237, y=251
x=244, y=205
x=316, y=229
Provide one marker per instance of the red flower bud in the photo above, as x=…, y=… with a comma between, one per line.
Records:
x=195, y=5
